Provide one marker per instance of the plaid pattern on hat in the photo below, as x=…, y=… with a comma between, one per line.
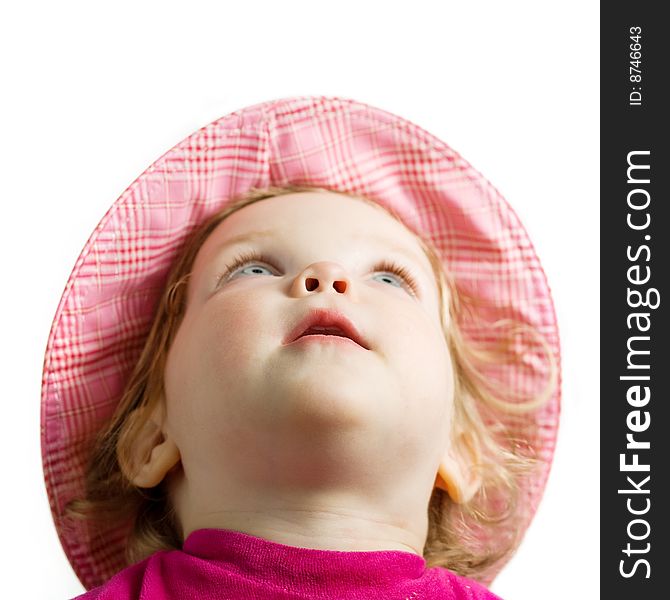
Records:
x=107, y=307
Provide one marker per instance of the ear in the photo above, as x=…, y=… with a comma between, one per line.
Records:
x=152, y=453
x=458, y=473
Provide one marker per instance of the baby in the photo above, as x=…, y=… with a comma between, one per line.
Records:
x=306, y=419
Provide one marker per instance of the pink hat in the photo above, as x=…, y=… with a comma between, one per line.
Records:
x=108, y=304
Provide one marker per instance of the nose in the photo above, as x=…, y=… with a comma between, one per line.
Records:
x=324, y=276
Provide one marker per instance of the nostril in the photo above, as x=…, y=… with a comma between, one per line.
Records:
x=311, y=283
x=340, y=286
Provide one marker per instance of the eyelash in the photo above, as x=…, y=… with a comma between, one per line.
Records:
x=241, y=259
x=396, y=269
x=384, y=265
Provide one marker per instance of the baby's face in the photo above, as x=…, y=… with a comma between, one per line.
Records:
x=245, y=405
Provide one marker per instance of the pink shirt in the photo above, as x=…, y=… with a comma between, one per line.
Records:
x=222, y=564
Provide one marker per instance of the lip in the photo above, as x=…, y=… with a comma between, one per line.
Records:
x=320, y=317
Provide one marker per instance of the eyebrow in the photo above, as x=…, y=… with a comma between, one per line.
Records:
x=245, y=237
x=382, y=241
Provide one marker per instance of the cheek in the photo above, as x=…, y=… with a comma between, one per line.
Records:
x=209, y=376
x=236, y=337
x=214, y=351
x=422, y=359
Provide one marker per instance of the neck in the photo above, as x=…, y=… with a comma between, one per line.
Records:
x=345, y=522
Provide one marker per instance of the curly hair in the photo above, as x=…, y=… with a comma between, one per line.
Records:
x=468, y=538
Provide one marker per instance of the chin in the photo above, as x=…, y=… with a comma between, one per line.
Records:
x=330, y=402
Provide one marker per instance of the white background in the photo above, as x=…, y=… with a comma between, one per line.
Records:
x=94, y=95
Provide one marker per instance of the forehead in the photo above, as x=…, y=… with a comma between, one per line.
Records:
x=320, y=215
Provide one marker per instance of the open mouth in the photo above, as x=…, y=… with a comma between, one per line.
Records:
x=324, y=331
x=327, y=334
x=322, y=323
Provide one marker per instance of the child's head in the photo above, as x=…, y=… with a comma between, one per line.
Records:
x=224, y=411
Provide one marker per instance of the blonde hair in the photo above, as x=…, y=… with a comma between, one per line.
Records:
x=468, y=538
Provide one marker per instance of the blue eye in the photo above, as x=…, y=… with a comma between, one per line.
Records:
x=254, y=270
x=394, y=280
x=397, y=275
x=248, y=260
